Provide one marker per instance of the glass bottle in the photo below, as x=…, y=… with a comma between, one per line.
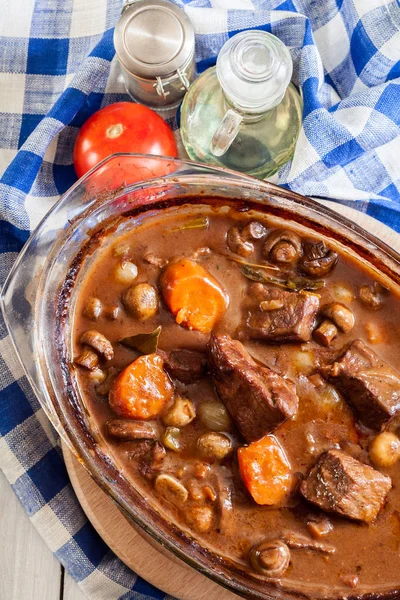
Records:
x=244, y=113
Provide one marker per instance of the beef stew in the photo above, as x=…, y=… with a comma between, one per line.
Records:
x=242, y=416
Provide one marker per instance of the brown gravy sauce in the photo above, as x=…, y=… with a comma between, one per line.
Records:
x=369, y=553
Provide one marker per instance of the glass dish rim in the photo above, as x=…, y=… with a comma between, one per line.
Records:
x=266, y=187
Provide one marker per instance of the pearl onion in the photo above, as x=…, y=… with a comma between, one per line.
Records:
x=384, y=450
x=125, y=272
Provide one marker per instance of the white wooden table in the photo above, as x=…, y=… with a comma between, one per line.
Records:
x=28, y=569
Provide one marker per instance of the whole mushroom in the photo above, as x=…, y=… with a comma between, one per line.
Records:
x=98, y=342
x=282, y=246
x=214, y=446
x=270, y=558
x=318, y=259
x=88, y=359
x=240, y=241
x=93, y=308
x=340, y=314
x=237, y=243
x=141, y=300
x=254, y=231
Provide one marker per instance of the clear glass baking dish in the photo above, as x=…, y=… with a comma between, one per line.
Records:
x=36, y=296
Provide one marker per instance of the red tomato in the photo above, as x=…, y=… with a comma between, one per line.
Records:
x=124, y=127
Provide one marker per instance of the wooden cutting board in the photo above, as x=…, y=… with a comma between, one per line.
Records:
x=154, y=564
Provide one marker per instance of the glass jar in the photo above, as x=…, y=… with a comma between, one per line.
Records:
x=244, y=113
x=154, y=43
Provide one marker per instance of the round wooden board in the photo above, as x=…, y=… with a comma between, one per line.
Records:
x=165, y=571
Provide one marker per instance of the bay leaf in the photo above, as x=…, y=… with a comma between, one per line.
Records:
x=145, y=343
x=294, y=284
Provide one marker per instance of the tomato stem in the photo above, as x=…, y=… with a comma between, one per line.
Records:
x=115, y=131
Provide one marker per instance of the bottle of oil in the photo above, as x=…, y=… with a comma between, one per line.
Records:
x=244, y=113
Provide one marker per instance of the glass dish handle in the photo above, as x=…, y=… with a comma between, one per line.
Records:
x=226, y=132
x=18, y=303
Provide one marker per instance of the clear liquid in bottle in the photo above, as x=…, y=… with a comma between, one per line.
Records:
x=244, y=113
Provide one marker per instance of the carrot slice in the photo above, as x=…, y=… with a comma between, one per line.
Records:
x=193, y=295
x=265, y=470
x=142, y=390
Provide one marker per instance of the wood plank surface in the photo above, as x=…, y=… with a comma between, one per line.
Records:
x=71, y=589
x=28, y=569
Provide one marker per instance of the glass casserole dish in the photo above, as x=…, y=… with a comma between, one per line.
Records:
x=55, y=258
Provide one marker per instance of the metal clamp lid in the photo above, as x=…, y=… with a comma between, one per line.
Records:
x=160, y=84
x=153, y=38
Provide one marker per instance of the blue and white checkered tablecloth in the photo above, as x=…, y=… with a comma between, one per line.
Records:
x=57, y=67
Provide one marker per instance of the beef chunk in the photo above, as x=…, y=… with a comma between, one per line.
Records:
x=186, y=366
x=281, y=316
x=341, y=484
x=370, y=385
x=150, y=457
x=125, y=430
x=257, y=398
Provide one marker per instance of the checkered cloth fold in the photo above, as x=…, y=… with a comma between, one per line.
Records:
x=57, y=67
